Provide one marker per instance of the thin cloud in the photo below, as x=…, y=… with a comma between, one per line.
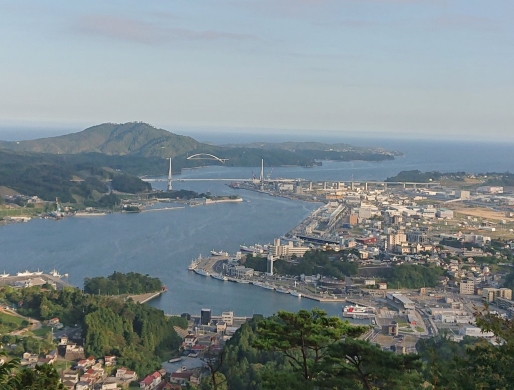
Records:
x=468, y=22
x=142, y=32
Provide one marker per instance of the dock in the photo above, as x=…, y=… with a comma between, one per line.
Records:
x=143, y=298
x=35, y=280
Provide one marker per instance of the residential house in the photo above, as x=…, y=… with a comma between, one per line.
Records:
x=125, y=374
x=109, y=386
x=109, y=361
x=150, y=382
x=190, y=340
x=85, y=364
x=181, y=377
x=83, y=386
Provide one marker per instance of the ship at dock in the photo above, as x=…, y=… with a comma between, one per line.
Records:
x=356, y=311
x=220, y=253
x=201, y=271
x=256, y=249
x=295, y=293
x=194, y=263
x=283, y=290
x=219, y=277
x=264, y=285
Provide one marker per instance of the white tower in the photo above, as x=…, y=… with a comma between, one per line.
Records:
x=270, y=259
x=169, y=178
x=261, y=178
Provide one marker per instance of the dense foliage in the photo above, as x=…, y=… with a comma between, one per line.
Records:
x=119, y=283
x=414, y=276
x=415, y=176
x=140, y=335
x=305, y=350
x=42, y=377
x=312, y=263
x=50, y=176
x=180, y=194
x=130, y=184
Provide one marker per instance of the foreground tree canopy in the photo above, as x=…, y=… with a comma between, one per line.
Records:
x=310, y=350
x=140, y=335
x=42, y=377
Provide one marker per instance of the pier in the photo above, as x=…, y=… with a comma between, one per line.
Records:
x=34, y=280
x=143, y=298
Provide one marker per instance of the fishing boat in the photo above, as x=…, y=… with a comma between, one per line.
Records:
x=283, y=290
x=295, y=293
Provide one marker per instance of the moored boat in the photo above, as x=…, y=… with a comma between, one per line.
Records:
x=283, y=290
x=219, y=277
x=295, y=293
x=201, y=271
x=356, y=311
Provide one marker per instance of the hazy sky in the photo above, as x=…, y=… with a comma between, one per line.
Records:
x=410, y=66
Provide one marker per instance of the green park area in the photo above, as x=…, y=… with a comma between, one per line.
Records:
x=9, y=323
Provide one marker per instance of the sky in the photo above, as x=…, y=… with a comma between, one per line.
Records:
x=420, y=68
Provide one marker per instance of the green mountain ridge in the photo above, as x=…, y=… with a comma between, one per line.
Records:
x=134, y=138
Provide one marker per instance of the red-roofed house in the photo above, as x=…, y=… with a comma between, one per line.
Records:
x=151, y=381
x=180, y=377
x=199, y=348
x=86, y=363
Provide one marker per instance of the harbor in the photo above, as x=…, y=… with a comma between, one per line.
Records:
x=215, y=267
x=36, y=278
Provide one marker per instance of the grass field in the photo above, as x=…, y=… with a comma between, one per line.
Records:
x=8, y=323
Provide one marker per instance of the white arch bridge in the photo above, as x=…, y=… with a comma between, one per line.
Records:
x=206, y=156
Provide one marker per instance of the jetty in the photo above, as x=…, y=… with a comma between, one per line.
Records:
x=35, y=280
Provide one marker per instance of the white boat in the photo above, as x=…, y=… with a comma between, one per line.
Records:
x=220, y=253
x=201, y=271
x=4, y=275
x=356, y=311
x=264, y=285
x=219, y=277
x=283, y=290
x=295, y=293
x=232, y=279
x=38, y=272
x=251, y=249
x=24, y=273
x=54, y=273
x=193, y=265
x=244, y=281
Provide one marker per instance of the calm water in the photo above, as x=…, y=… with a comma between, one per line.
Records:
x=163, y=243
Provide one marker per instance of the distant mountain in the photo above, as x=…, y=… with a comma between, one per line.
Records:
x=137, y=141
x=323, y=151
x=135, y=138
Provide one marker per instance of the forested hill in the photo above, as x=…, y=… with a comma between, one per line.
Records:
x=137, y=139
x=118, y=283
x=134, y=138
